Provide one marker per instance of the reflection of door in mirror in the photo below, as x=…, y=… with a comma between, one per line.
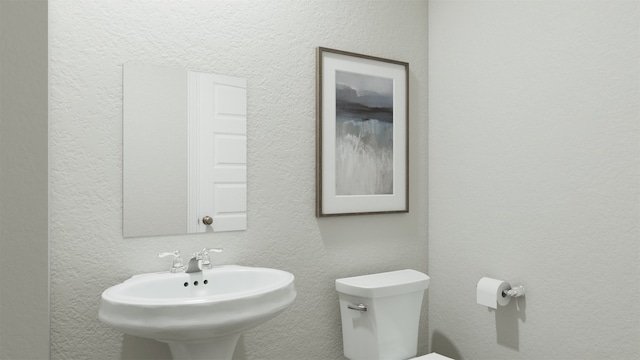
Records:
x=220, y=127
x=184, y=139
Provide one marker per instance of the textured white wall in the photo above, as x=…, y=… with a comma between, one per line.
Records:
x=24, y=300
x=534, y=176
x=272, y=44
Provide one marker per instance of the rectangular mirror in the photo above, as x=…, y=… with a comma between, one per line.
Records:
x=184, y=145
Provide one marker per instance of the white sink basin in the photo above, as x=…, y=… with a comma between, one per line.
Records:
x=200, y=315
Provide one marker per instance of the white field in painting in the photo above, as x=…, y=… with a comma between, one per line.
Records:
x=364, y=134
x=363, y=167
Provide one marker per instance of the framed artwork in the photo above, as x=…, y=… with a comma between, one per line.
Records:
x=362, y=134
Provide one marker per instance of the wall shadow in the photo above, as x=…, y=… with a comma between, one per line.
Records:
x=137, y=348
x=442, y=345
x=507, y=322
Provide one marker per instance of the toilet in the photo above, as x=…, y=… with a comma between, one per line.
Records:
x=380, y=315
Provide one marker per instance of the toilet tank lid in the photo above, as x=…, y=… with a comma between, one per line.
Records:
x=383, y=284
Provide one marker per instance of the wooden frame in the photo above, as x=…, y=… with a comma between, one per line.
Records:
x=362, y=143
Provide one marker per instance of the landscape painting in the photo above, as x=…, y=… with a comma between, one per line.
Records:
x=362, y=137
x=364, y=134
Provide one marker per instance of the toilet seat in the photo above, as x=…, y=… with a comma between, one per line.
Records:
x=432, y=356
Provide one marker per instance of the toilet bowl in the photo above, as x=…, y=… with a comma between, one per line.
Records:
x=380, y=315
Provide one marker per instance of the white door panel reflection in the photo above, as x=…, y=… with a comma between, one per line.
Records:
x=184, y=139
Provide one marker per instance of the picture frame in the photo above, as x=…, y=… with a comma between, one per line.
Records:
x=362, y=135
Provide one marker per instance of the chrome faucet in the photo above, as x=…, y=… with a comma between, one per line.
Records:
x=206, y=259
x=194, y=265
x=199, y=261
x=176, y=264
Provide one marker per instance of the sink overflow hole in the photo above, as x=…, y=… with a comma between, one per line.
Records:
x=186, y=284
x=206, y=282
x=195, y=283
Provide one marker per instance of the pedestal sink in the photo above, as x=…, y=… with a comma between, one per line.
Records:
x=200, y=315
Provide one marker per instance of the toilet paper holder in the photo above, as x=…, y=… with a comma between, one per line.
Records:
x=515, y=291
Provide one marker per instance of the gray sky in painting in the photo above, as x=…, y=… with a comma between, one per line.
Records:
x=383, y=86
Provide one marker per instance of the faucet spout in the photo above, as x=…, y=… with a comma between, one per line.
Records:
x=193, y=266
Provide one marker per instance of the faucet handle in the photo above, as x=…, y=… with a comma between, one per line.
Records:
x=205, y=259
x=176, y=264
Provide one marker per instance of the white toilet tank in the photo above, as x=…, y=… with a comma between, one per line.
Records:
x=381, y=313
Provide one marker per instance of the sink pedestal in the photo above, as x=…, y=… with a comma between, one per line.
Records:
x=219, y=348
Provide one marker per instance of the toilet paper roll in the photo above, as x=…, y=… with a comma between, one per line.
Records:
x=489, y=292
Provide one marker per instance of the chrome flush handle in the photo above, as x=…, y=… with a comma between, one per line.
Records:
x=359, y=307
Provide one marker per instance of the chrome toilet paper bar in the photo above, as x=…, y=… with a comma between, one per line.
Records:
x=493, y=292
x=516, y=291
